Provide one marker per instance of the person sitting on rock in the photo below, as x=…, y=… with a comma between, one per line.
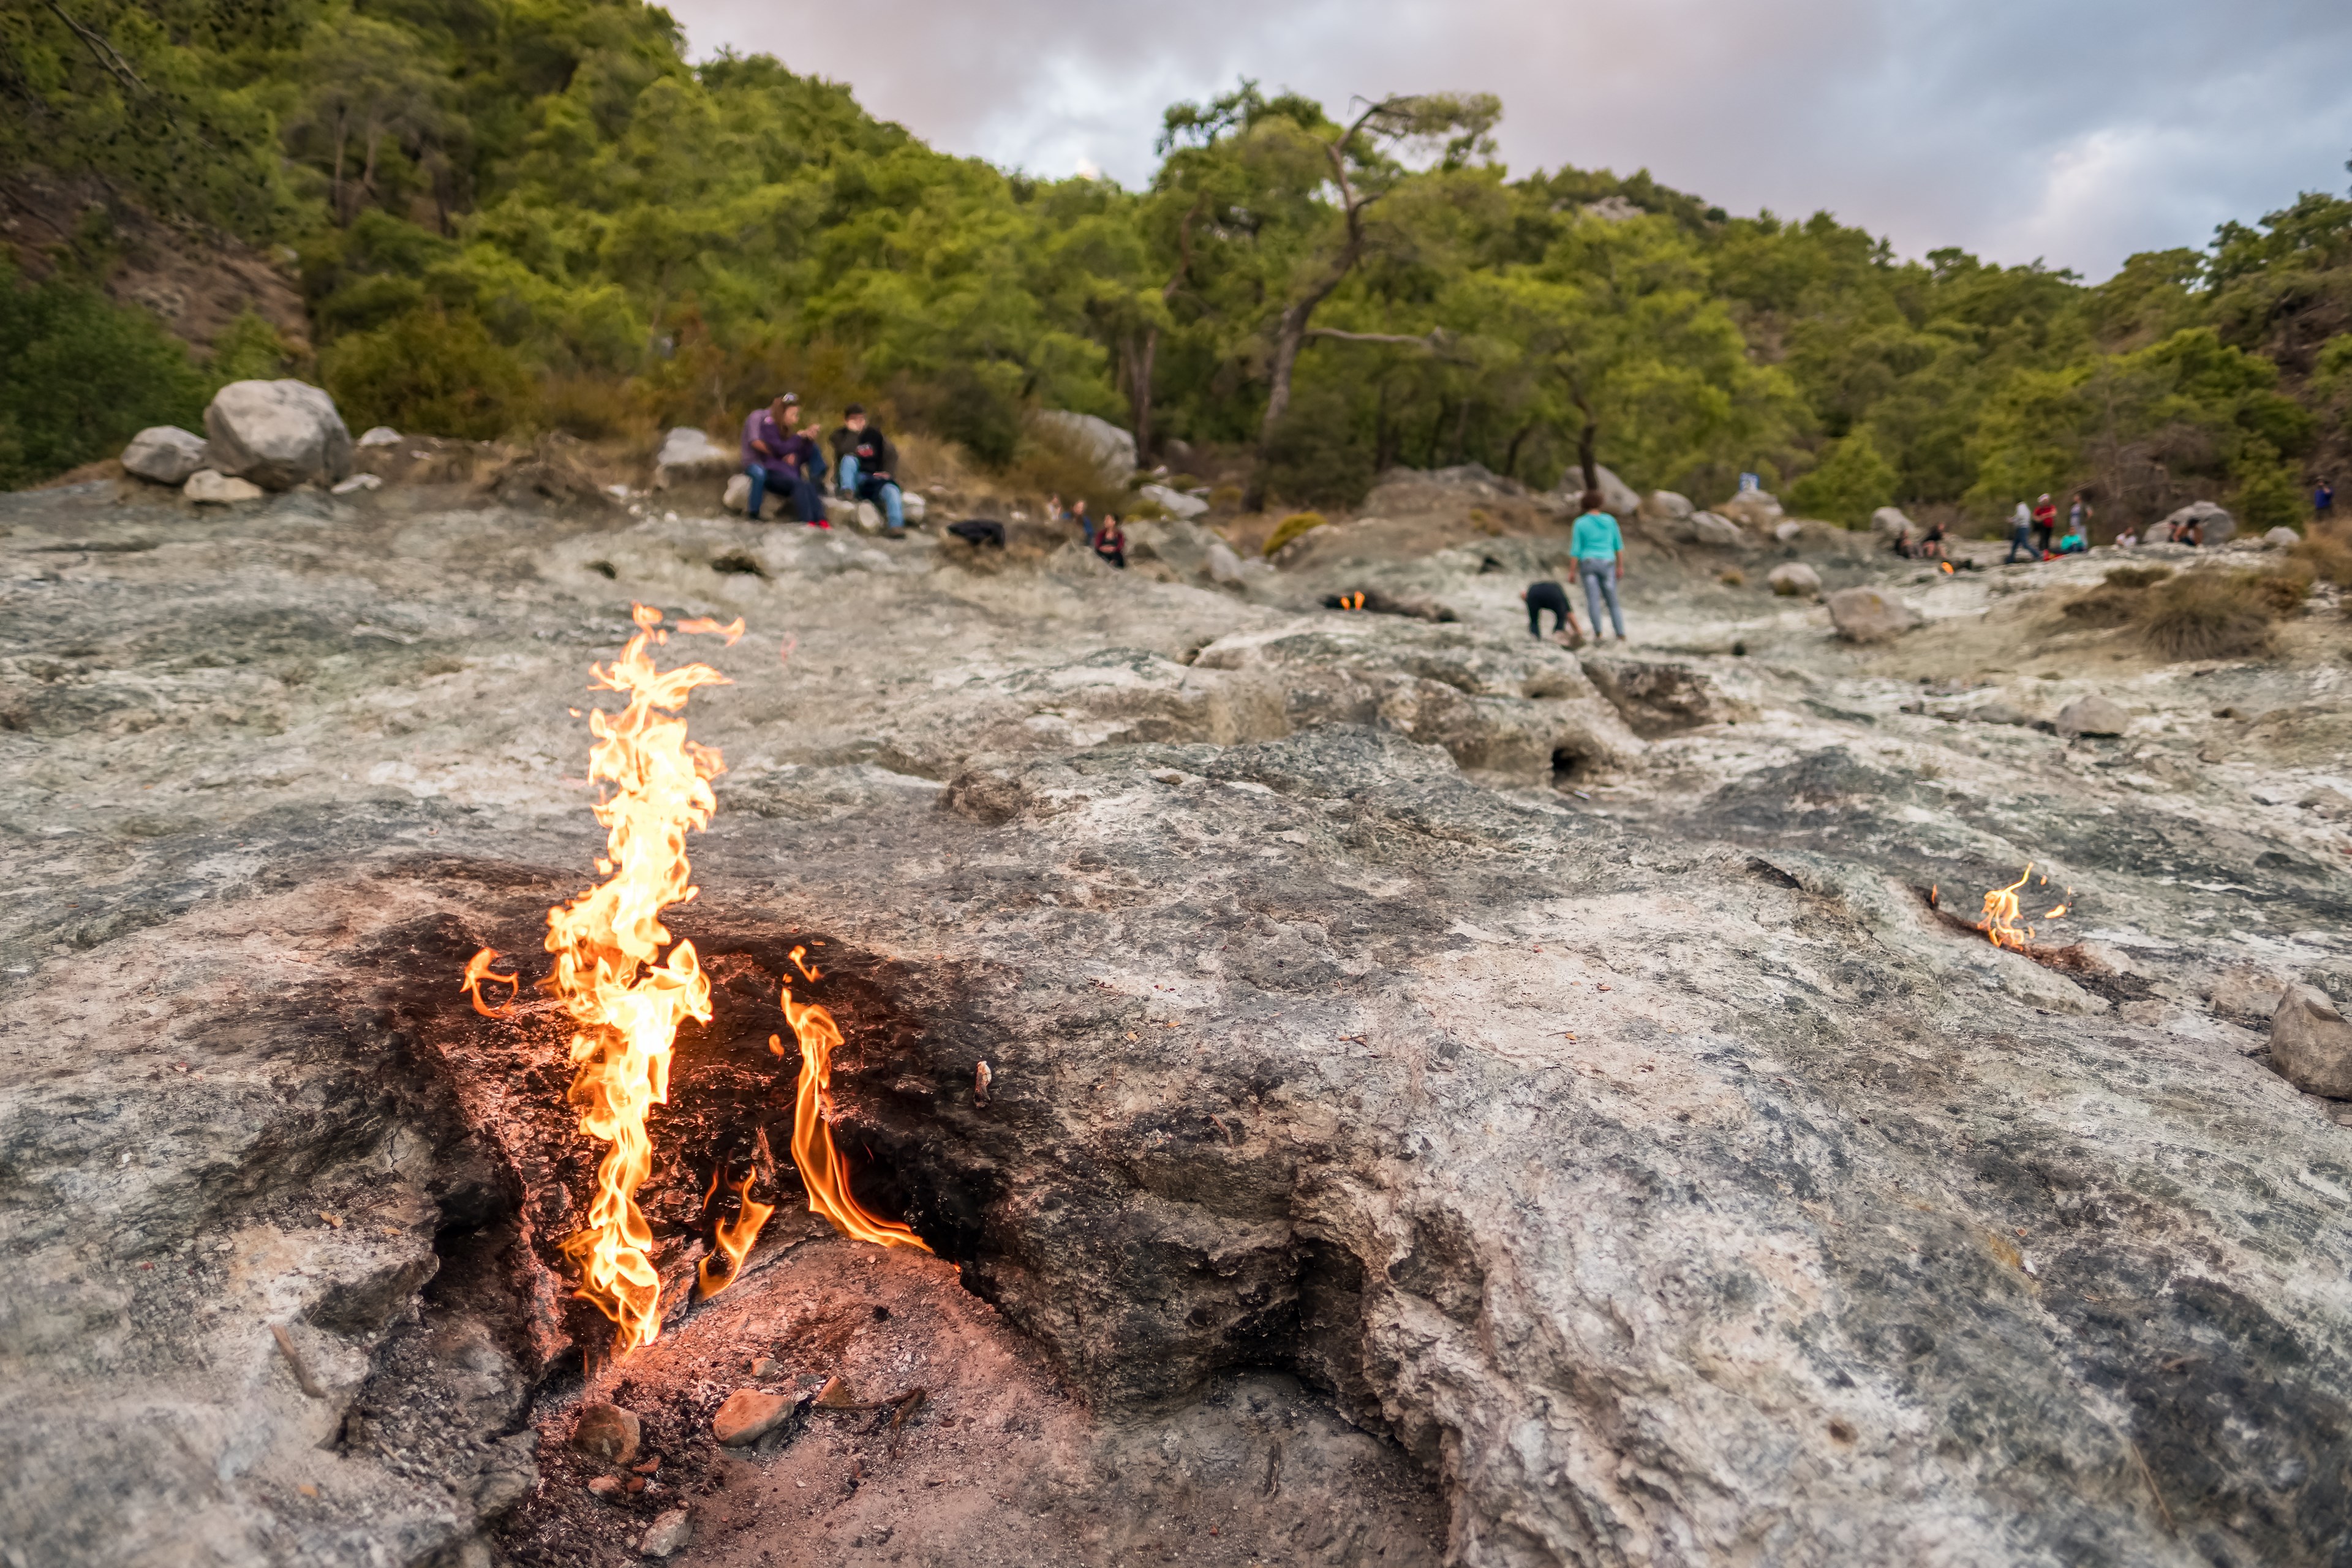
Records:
x=777, y=452
x=1548, y=595
x=2072, y=543
x=1600, y=551
x=1111, y=541
x=2127, y=539
x=1075, y=512
x=868, y=469
x=1931, y=543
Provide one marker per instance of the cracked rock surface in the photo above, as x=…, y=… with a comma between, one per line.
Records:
x=1576, y=1085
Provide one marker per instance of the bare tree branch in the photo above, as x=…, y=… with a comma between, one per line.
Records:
x=101, y=50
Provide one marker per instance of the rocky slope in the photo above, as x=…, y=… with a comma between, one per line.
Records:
x=1560, y=1066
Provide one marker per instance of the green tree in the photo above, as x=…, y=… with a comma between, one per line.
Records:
x=84, y=376
x=1854, y=480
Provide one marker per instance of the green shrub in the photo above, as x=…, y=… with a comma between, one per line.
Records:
x=1854, y=480
x=429, y=373
x=80, y=376
x=250, y=349
x=1291, y=527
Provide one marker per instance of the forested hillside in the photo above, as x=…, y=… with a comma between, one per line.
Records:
x=518, y=214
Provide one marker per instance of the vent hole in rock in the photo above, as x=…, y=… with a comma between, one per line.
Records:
x=1572, y=766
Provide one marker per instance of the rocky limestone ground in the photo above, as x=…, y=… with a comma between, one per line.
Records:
x=1453, y=1099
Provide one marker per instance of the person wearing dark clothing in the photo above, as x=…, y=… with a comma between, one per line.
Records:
x=777, y=452
x=865, y=469
x=1542, y=596
x=2323, y=501
x=1931, y=546
x=1111, y=541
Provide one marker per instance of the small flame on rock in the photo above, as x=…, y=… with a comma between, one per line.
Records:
x=812, y=1151
x=735, y=1237
x=2001, y=911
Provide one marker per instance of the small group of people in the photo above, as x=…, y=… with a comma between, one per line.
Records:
x=1598, y=547
x=779, y=454
x=2034, y=530
x=1928, y=546
x=1106, y=538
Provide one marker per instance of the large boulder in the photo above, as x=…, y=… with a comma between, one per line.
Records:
x=277, y=433
x=1617, y=497
x=1716, y=531
x=1092, y=438
x=2311, y=1044
x=2276, y=539
x=2213, y=522
x=1665, y=506
x=1870, y=615
x=1795, y=580
x=737, y=496
x=1892, y=521
x=688, y=454
x=163, y=455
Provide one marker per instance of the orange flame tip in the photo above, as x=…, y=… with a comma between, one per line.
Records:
x=812, y=1151
x=734, y=1238
x=704, y=625
x=2001, y=909
x=804, y=968
x=478, y=969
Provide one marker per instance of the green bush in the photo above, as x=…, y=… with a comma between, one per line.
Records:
x=1854, y=480
x=250, y=349
x=430, y=372
x=82, y=376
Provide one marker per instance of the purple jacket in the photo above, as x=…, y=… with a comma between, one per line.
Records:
x=795, y=454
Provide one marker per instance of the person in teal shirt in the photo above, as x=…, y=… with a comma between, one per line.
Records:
x=1600, y=551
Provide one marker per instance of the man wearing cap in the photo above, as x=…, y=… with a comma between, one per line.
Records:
x=777, y=452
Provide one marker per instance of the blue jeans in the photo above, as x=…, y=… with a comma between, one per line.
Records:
x=807, y=505
x=1601, y=582
x=883, y=494
x=848, y=472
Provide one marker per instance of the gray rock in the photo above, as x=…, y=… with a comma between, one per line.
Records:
x=1795, y=580
x=2311, y=1044
x=913, y=507
x=381, y=435
x=1892, y=521
x=2281, y=539
x=2093, y=715
x=1224, y=567
x=689, y=455
x=607, y=1434
x=1999, y=712
x=1716, y=531
x=2214, y=521
x=1665, y=506
x=1787, y=528
x=356, y=483
x=215, y=489
x=1174, y=503
x=163, y=455
x=1659, y=697
x=1090, y=437
x=2329, y=804
x=749, y=1415
x=277, y=433
x=2247, y=993
x=1617, y=497
x=737, y=496
x=1870, y=614
x=668, y=1534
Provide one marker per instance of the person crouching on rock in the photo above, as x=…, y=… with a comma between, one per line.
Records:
x=1600, y=551
x=777, y=452
x=1111, y=541
x=1541, y=597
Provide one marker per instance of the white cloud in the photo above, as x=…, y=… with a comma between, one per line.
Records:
x=2075, y=132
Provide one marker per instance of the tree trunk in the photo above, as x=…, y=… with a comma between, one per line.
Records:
x=335, y=188
x=1461, y=431
x=1289, y=337
x=1511, y=453
x=1587, y=440
x=1139, y=391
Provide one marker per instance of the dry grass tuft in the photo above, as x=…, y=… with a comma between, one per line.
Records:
x=2327, y=554
x=2209, y=615
x=2138, y=576
x=2113, y=605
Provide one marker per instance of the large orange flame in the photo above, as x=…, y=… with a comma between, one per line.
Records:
x=2001, y=926
x=626, y=999
x=812, y=1150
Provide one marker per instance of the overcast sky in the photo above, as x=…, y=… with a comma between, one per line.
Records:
x=2077, y=131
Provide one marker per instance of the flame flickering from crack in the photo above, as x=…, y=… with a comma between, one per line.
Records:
x=626, y=998
x=812, y=1151
x=2001, y=908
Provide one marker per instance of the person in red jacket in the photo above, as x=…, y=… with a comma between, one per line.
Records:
x=2045, y=525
